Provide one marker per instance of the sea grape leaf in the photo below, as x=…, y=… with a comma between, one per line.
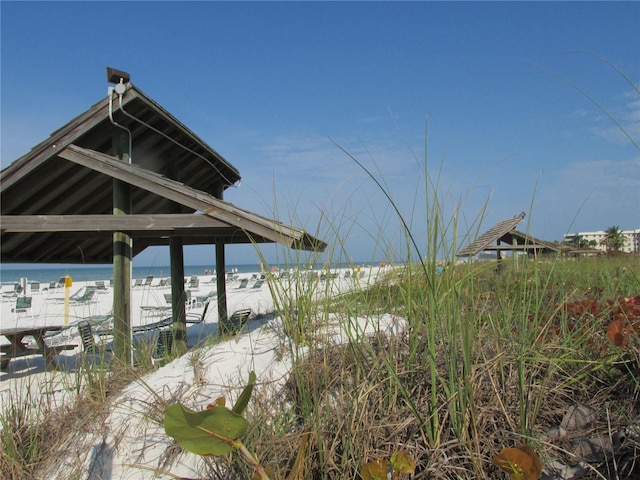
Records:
x=617, y=333
x=375, y=470
x=210, y=432
x=245, y=396
x=521, y=463
x=402, y=462
x=536, y=464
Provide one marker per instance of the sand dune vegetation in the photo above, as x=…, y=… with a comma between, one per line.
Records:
x=454, y=371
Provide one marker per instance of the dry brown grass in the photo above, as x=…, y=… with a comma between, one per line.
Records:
x=362, y=417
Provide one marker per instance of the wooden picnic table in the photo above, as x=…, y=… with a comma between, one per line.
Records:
x=18, y=348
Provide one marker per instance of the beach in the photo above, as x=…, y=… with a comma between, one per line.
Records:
x=128, y=439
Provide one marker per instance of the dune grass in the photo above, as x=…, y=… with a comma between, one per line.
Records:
x=487, y=360
x=477, y=360
x=485, y=356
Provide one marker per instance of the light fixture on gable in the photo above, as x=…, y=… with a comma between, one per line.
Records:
x=117, y=76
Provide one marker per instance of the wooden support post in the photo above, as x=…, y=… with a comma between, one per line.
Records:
x=221, y=274
x=176, y=255
x=221, y=283
x=122, y=254
x=178, y=296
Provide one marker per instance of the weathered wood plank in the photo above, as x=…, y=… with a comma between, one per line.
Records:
x=106, y=223
x=192, y=198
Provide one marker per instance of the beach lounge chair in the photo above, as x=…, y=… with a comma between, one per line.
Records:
x=165, y=322
x=243, y=283
x=89, y=345
x=101, y=285
x=137, y=282
x=158, y=309
x=86, y=296
x=148, y=281
x=194, y=283
x=194, y=318
x=86, y=336
x=234, y=323
x=101, y=325
x=81, y=296
x=189, y=300
x=164, y=345
x=258, y=284
x=202, y=299
x=23, y=305
x=11, y=291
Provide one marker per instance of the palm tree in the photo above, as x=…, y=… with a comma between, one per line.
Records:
x=614, y=239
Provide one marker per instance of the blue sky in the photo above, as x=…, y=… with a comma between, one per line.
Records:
x=518, y=98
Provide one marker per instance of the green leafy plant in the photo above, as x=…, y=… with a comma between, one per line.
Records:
x=216, y=430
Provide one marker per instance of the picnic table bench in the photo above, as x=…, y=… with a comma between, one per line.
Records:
x=17, y=347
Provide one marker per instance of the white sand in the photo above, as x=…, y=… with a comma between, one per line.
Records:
x=130, y=435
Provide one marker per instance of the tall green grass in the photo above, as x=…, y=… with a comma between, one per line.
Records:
x=484, y=358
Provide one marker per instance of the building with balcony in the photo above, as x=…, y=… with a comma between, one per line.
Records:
x=596, y=240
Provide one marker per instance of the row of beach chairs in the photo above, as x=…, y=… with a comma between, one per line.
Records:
x=164, y=342
x=82, y=296
x=192, y=283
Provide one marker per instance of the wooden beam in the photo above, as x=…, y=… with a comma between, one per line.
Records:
x=192, y=198
x=108, y=223
x=518, y=247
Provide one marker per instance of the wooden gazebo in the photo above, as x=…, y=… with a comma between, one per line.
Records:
x=121, y=177
x=503, y=237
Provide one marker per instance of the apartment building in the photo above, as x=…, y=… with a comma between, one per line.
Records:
x=595, y=240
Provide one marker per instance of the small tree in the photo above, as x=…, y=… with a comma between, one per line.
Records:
x=582, y=242
x=614, y=239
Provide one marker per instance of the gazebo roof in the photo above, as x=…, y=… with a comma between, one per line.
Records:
x=57, y=200
x=511, y=238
